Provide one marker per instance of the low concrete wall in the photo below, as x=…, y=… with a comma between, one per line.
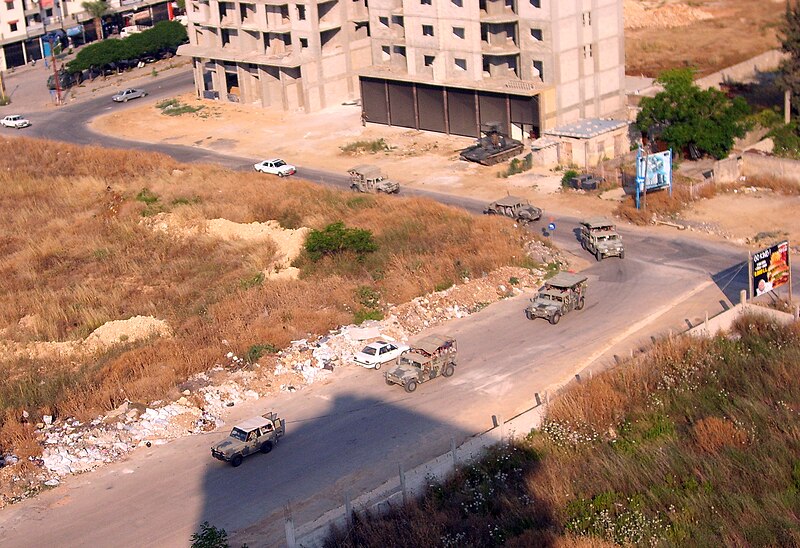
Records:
x=746, y=71
x=759, y=165
x=727, y=170
x=724, y=321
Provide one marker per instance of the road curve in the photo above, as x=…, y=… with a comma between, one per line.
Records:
x=351, y=434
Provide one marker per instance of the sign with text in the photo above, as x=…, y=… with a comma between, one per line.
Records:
x=770, y=268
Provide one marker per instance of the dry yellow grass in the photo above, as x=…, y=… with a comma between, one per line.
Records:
x=76, y=254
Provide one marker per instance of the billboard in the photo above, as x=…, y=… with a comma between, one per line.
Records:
x=653, y=172
x=769, y=268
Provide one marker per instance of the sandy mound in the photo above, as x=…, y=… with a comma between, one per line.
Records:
x=289, y=242
x=132, y=330
x=643, y=15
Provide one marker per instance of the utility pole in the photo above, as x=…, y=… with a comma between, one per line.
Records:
x=52, y=52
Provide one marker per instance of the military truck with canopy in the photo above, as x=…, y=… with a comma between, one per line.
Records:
x=559, y=295
x=428, y=358
x=369, y=178
x=599, y=237
x=517, y=208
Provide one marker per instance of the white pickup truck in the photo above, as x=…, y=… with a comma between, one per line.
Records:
x=15, y=121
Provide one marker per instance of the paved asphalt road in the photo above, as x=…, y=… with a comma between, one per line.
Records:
x=351, y=434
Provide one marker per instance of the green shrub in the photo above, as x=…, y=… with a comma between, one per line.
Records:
x=373, y=147
x=787, y=140
x=568, y=176
x=147, y=196
x=368, y=297
x=173, y=107
x=441, y=286
x=255, y=352
x=210, y=537
x=253, y=281
x=363, y=314
x=336, y=238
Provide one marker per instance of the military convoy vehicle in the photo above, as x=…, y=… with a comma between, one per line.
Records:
x=599, y=237
x=518, y=209
x=248, y=437
x=427, y=359
x=369, y=178
x=559, y=295
x=493, y=147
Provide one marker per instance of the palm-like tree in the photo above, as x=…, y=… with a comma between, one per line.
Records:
x=97, y=9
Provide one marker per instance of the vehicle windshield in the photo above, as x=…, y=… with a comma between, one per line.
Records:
x=370, y=350
x=549, y=297
x=608, y=237
x=405, y=361
x=239, y=434
x=279, y=163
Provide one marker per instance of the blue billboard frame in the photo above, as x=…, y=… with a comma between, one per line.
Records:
x=653, y=172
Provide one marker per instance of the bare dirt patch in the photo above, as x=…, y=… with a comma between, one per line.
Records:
x=706, y=34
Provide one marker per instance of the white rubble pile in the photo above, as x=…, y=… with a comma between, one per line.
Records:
x=72, y=447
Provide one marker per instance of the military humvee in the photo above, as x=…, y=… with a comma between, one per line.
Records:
x=560, y=294
x=369, y=178
x=248, y=437
x=599, y=237
x=428, y=358
x=518, y=209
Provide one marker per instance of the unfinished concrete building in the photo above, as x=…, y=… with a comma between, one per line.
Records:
x=439, y=65
x=289, y=54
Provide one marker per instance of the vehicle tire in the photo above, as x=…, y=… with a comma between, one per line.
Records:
x=125, y=100
x=390, y=383
x=555, y=318
x=266, y=447
x=583, y=244
x=377, y=366
x=622, y=254
x=598, y=255
x=411, y=386
x=528, y=314
x=581, y=303
x=449, y=370
x=281, y=175
x=236, y=461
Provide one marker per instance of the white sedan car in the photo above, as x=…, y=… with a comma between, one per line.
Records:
x=275, y=166
x=16, y=121
x=127, y=94
x=378, y=353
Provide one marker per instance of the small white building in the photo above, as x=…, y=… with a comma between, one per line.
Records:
x=588, y=142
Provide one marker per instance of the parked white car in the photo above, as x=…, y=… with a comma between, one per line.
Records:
x=378, y=353
x=16, y=121
x=127, y=94
x=275, y=166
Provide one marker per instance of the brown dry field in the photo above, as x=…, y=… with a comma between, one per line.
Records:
x=737, y=31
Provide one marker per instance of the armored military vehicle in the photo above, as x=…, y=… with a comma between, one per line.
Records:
x=248, y=437
x=518, y=209
x=428, y=358
x=559, y=295
x=369, y=178
x=599, y=237
x=493, y=147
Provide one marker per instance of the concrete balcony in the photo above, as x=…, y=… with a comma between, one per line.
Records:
x=508, y=47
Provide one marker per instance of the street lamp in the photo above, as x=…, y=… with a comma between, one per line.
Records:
x=52, y=50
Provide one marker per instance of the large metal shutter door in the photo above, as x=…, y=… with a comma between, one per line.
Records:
x=401, y=104
x=525, y=110
x=493, y=109
x=461, y=112
x=430, y=102
x=373, y=99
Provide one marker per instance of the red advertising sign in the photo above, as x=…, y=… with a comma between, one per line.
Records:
x=770, y=268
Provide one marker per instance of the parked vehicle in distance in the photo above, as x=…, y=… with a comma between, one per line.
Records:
x=369, y=178
x=65, y=80
x=127, y=94
x=599, y=237
x=427, y=359
x=253, y=435
x=378, y=353
x=275, y=166
x=517, y=208
x=15, y=121
x=559, y=295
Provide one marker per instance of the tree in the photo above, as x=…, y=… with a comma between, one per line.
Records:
x=684, y=115
x=789, y=77
x=97, y=9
